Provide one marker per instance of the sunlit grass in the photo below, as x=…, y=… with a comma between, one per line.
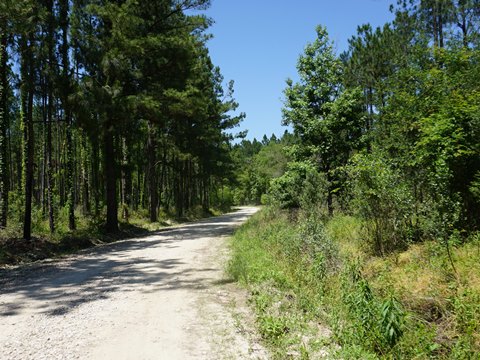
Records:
x=439, y=314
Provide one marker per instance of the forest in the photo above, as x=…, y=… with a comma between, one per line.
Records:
x=112, y=114
x=373, y=217
x=109, y=110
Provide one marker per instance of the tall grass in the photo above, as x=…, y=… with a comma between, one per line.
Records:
x=304, y=271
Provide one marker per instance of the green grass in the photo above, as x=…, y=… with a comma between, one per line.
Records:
x=303, y=272
x=285, y=296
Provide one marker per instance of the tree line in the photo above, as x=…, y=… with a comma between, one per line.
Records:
x=374, y=223
x=389, y=130
x=109, y=107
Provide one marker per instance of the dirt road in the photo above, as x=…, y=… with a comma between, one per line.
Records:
x=160, y=297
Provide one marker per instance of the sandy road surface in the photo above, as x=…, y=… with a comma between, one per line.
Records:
x=164, y=296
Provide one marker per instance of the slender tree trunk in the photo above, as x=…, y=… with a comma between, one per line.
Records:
x=19, y=157
x=163, y=175
x=85, y=179
x=205, y=197
x=462, y=24
x=440, y=29
x=28, y=140
x=48, y=140
x=178, y=185
x=110, y=180
x=51, y=217
x=70, y=175
x=152, y=176
x=96, y=174
x=60, y=183
x=3, y=128
x=43, y=173
x=138, y=189
x=143, y=188
x=126, y=180
x=435, y=26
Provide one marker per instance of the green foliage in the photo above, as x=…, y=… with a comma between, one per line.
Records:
x=317, y=245
x=392, y=318
x=275, y=260
x=257, y=164
x=272, y=328
x=294, y=268
x=383, y=199
x=325, y=116
x=376, y=324
x=388, y=134
x=302, y=270
x=475, y=187
x=296, y=185
x=466, y=306
x=144, y=108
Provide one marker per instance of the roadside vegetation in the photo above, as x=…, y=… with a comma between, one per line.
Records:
x=372, y=228
x=318, y=289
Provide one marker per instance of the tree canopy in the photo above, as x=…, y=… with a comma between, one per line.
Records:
x=107, y=108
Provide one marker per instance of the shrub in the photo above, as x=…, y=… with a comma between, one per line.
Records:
x=383, y=200
x=301, y=185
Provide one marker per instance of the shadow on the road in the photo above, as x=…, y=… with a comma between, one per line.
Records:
x=57, y=287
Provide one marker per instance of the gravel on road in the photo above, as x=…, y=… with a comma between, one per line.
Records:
x=164, y=296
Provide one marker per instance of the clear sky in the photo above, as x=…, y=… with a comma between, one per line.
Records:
x=257, y=43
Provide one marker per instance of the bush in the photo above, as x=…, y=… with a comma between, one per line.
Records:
x=301, y=186
x=383, y=200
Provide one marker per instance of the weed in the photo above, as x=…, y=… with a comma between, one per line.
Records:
x=392, y=320
x=273, y=328
x=406, y=305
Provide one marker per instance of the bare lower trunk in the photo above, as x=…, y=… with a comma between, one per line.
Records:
x=3, y=131
x=152, y=176
x=111, y=181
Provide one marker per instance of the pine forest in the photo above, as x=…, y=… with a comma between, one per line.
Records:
x=115, y=122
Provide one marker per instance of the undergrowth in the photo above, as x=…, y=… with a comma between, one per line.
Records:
x=318, y=292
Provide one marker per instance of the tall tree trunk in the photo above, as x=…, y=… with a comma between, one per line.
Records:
x=70, y=174
x=178, y=193
x=95, y=185
x=138, y=190
x=126, y=180
x=59, y=184
x=463, y=24
x=152, y=176
x=440, y=27
x=204, y=187
x=48, y=140
x=110, y=180
x=3, y=128
x=163, y=174
x=27, y=124
x=51, y=217
x=85, y=179
x=43, y=174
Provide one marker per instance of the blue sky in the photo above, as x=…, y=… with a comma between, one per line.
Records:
x=257, y=43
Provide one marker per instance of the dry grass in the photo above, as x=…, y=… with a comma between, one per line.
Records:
x=422, y=278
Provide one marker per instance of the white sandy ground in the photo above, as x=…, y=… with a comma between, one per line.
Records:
x=164, y=296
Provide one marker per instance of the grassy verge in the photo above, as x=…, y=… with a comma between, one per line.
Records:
x=89, y=233
x=304, y=271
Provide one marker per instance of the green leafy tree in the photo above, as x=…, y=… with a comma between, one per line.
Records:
x=326, y=117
